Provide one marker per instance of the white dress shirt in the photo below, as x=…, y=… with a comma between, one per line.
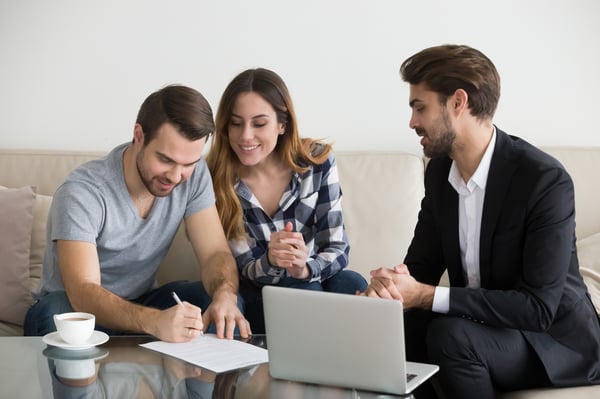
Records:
x=470, y=207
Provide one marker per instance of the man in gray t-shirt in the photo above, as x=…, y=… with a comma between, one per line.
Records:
x=113, y=220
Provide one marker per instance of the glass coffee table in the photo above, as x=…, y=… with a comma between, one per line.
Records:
x=120, y=368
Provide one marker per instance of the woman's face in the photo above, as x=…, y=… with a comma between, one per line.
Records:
x=253, y=129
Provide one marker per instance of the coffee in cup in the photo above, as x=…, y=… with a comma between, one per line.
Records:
x=75, y=328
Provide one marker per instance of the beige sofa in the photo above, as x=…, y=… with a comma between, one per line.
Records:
x=382, y=194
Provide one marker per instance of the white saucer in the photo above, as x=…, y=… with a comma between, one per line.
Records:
x=97, y=338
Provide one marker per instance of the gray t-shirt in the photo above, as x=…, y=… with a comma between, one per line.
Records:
x=93, y=205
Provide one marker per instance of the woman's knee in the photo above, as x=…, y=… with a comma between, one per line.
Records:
x=345, y=282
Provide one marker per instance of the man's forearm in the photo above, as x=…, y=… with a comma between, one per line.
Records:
x=425, y=297
x=111, y=311
x=220, y=274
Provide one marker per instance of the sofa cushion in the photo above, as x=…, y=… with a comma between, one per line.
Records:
x=583, y=392
x=588, y=252
x=16, y=219
x=382, y=197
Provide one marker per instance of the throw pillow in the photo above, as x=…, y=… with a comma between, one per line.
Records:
x=38, y=238
x=16, y=218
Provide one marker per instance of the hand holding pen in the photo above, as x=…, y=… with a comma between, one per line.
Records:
x=190, y=329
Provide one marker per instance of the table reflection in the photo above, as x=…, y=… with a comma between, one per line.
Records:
x=121, y=369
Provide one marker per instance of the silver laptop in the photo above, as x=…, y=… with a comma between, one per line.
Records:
x=338, y=339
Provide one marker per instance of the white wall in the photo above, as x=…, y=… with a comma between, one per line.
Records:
x=74, y=72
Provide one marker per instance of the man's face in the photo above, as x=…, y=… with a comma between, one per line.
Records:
x=168, y=160
x=431, y=122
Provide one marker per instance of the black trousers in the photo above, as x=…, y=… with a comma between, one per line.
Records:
x=475, y=360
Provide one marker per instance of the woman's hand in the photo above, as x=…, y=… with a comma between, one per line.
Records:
x=288, y=250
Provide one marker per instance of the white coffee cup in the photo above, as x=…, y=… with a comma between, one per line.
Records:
x=75, y=328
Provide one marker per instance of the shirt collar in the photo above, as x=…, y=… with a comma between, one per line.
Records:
x=479, y=178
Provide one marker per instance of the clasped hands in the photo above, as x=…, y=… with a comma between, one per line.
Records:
x=397, y=283
x=288, y=250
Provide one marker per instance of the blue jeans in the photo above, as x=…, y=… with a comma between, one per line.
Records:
x=39, y=319
x=343, y=282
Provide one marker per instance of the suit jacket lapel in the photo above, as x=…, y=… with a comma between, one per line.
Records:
x=448, y=214
x=502, y=168
x=451, y=242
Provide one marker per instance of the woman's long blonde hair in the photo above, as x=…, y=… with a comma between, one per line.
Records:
x=298, y=153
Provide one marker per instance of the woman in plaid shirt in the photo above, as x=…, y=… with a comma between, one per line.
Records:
x=278, y=195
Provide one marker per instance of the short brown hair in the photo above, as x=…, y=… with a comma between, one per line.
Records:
x=447, y=68
x=181, y=106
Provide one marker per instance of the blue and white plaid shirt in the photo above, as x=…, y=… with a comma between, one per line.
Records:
x=313, y=203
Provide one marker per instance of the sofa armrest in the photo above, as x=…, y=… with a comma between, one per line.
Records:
x=588, y=252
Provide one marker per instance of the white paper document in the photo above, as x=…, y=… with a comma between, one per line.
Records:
x=212, y=353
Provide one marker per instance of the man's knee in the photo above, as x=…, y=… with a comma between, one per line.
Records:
x=194, y=293
x=449, y=337
x=39, y=318
x=189, y=291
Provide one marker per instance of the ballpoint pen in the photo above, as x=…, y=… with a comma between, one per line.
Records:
x=180, y=303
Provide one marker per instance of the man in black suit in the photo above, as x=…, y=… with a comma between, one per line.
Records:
x=499, y=216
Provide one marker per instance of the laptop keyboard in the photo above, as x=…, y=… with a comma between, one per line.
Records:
x=410, y=377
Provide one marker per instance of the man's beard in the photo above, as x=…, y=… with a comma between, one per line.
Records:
x=147, y=181
x=440, y=144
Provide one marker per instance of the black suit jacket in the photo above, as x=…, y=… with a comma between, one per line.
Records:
x=530, y=277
